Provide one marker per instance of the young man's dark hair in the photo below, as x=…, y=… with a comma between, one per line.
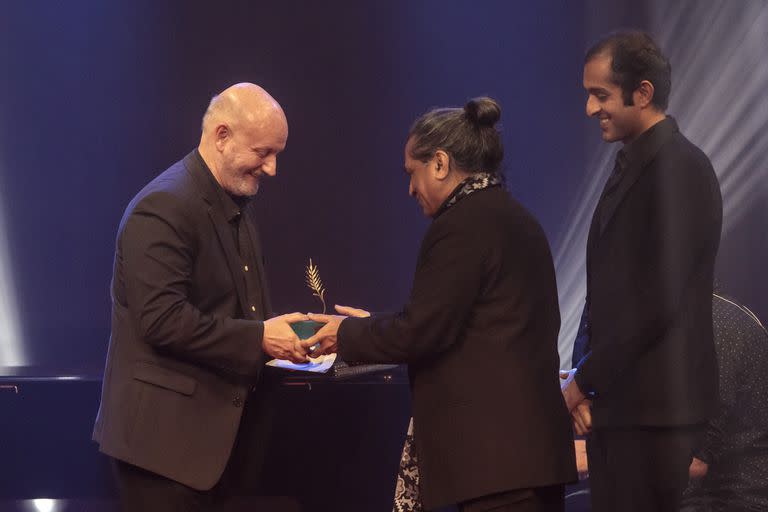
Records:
x=635, y=57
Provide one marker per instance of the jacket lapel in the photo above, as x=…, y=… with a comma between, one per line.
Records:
x=195, y=166
x=606, y=211
x=643, y=150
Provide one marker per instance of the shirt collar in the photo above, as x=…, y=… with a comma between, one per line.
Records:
x=231, y=205
x=644, y=148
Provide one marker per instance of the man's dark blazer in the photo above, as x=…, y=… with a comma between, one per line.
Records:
x=479, y=334
x=182, y=355
x=650, y=267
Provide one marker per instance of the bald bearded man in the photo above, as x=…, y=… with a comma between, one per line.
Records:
x=183, y=412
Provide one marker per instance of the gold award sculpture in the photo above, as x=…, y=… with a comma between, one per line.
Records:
x=315, y=283
x=307, y=328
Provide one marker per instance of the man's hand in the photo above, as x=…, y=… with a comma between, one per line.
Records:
x=324, y=340
x=582, y=418
x=697, y=469
x=350, y=311
x=571, y=392
x=581, y=413
x=325, y=337
x=582, y=465
x=280, y=341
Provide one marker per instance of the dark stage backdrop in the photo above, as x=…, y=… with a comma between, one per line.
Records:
x=99, y=97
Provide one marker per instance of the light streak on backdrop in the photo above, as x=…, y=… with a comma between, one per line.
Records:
x=11, y=350
x=719, y=79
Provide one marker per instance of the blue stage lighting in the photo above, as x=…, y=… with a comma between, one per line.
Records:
x=11, y=350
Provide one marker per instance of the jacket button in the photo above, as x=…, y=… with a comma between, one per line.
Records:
x=237, y=401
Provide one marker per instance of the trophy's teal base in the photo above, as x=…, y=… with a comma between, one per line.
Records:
x=306, y=328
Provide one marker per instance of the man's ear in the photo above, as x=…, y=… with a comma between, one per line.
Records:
x=441, y=164
x=643, y=95
x=223, y=134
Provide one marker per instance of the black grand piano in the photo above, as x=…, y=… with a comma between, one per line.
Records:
x=358, y=422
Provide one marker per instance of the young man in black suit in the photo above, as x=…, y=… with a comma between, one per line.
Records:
x=182, y=409
x=649, y=366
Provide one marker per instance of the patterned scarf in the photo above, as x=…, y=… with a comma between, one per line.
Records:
x=475, y=182
x=407, y=498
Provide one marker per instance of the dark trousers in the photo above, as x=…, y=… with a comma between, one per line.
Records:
x=640, y=469
x=538, y=499
x=140, y=490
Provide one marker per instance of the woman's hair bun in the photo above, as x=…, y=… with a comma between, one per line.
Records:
x=483, y=111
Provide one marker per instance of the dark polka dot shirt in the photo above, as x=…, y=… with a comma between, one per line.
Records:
x=736, y=443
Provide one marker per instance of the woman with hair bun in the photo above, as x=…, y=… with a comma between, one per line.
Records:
x=479, y=332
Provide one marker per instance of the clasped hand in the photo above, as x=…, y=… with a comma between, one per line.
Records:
x=281, y=342
x=578, y=405
x=324, y=341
